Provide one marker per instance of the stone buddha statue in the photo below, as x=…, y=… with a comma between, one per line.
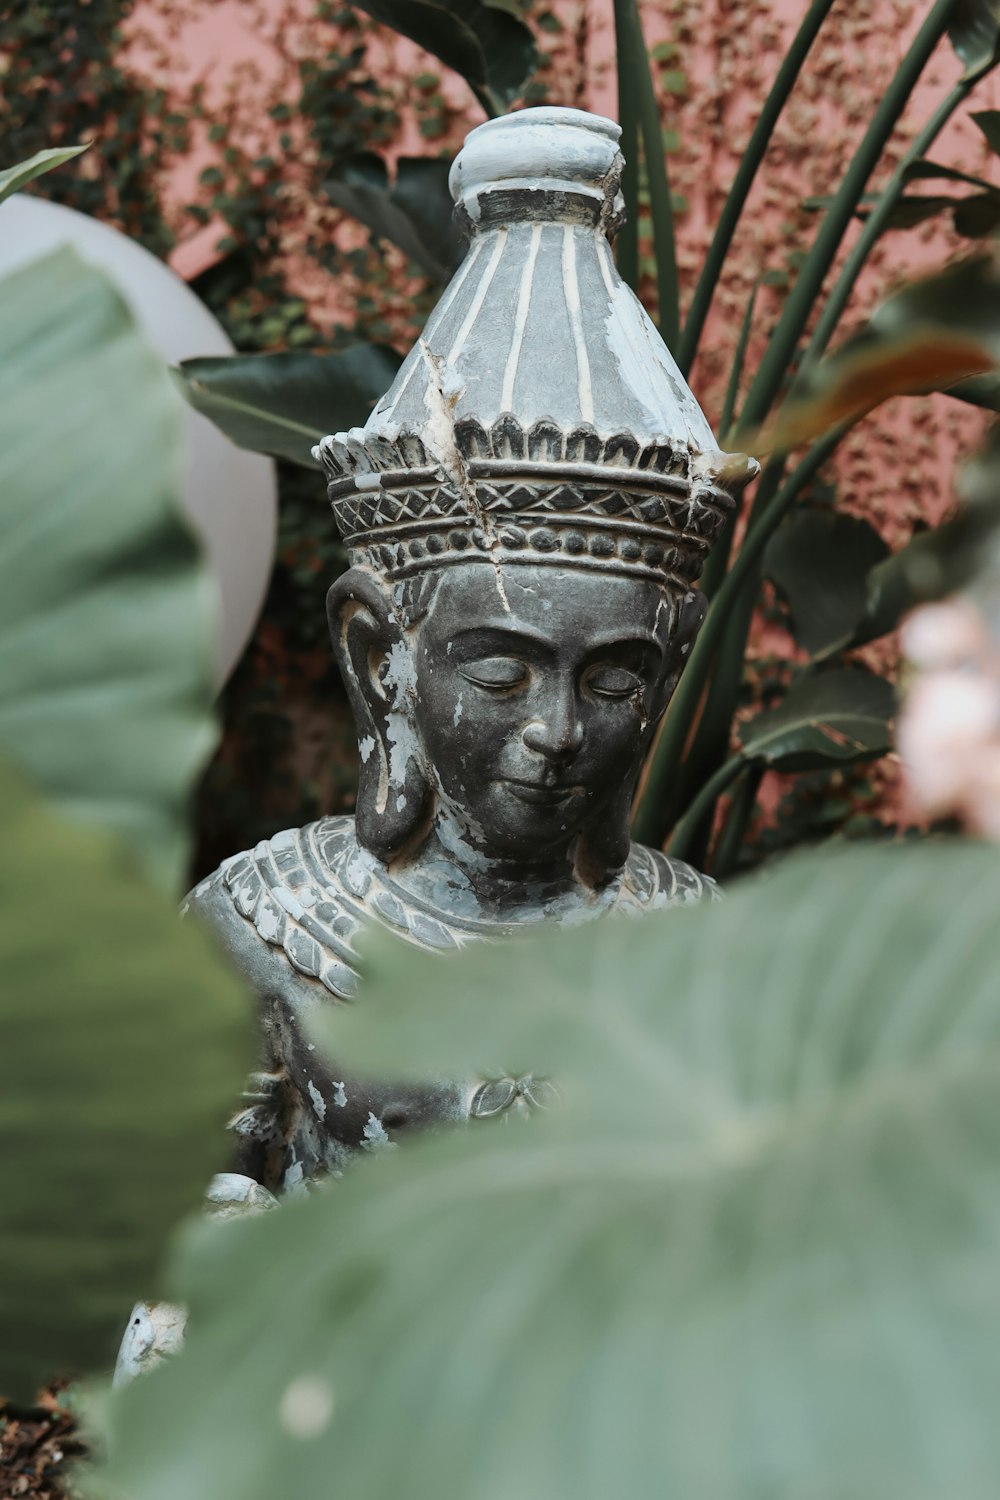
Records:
x=525, y=513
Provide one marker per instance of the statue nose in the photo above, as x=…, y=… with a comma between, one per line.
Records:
x=558, y=736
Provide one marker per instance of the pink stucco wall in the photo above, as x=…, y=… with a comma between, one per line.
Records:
x=896, y=467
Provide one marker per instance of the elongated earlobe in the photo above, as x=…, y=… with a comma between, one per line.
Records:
x=374, y=658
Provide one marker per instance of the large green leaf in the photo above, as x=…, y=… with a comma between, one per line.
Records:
x=820, y=561
x=415, y=211
x=752, y=1254
x=13, y=179
x=838, y=716
x=283, y=404
x=974, y=31
x=928, y=336
x=107, y=615
x=483, y=40
x=125, y=1043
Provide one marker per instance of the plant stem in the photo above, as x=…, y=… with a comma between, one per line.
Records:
x=757, y=145
x=718, y=560
x=665, y=761
x=795, y=314
x=876, y=221
x=661, y=208
x=727, y=851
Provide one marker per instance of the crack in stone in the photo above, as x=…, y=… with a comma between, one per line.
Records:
x=440, y=436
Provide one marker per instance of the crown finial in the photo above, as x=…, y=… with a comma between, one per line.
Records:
x=540, y=416
x=540, y=164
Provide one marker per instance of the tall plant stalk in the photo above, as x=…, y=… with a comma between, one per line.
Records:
x=634, y=77
x=732, y=209
x=744, y=574
x=795, y=315
x=722, y=643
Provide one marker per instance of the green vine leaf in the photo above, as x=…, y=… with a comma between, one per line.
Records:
x=820, y=561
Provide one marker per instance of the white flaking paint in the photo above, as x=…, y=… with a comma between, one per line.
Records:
x=318, y=1102
x=584, y=384
x=374, y=1136
x=403, y=746
x=366, y=747
x=339, y=1096
x=520, y=320
x=288, y=900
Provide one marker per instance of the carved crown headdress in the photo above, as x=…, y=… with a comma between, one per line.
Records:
x=540, y=417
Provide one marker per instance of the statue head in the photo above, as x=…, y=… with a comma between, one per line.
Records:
x=525, y=511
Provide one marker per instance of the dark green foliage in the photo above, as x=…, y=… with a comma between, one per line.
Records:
x=414, y=211
x=285, y=403
x=820, y=561
x=973, y=28
x=62, y=86
x=483, y=40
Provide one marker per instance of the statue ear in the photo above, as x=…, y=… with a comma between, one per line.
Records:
x=373, y=654
x=687, y=615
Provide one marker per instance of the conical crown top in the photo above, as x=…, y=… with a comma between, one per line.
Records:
x=540, y=397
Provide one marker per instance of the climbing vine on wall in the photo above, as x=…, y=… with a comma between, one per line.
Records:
x=235, y=163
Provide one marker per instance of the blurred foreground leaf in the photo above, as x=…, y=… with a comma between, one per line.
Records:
x=125, y=1045
x=753, y=1252
x=926, y=337
x=414, y=211
x=283, y=404
x=107, y=614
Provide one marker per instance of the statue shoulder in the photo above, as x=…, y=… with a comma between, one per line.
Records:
x=653, y=880
x=290, y=900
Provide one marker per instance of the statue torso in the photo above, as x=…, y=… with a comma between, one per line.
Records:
x=290, y=912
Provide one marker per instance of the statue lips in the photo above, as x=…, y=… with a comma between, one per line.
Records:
x=540, y=794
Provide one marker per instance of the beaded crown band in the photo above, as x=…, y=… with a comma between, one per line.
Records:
x=532, y=494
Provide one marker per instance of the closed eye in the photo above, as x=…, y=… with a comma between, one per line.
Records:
x=609, y=681
x=496, y=673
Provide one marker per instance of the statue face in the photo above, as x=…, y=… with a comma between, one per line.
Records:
x=534, y=690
